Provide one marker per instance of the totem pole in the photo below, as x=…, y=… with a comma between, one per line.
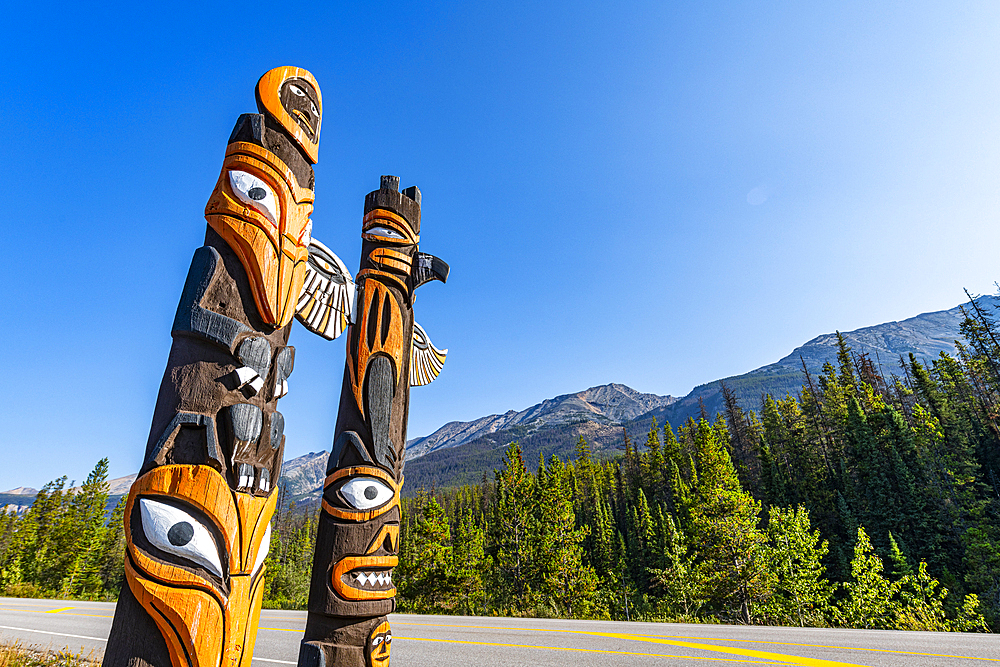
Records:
x=197, y=522
x=358, y=536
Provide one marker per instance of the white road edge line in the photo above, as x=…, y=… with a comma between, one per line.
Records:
x=283, y=662
x=57, y=634
x=61, y=634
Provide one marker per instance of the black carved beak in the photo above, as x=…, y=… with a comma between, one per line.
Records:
x=427, y=268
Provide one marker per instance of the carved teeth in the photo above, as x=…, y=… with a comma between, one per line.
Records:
x=383, y=579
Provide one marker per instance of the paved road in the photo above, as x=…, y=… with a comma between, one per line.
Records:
x=460, y=641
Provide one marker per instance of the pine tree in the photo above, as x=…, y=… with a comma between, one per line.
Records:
x=564, y=581
x=508, y=539
x=85, y=521
x=922, y=603
x=429, y=581
x=724, y=522
x=681, y=582
x=471, y=564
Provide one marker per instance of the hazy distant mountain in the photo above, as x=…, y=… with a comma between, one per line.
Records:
x=20, y=491
x=481, y=449
x=609, y=405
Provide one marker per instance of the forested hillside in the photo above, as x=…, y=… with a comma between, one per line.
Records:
x=868, y=499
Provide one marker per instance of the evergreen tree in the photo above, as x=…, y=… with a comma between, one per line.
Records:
x=508, y=541
x=724, y=522
x=428, y=580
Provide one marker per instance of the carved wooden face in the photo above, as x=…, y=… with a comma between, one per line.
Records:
x=366, y=500
x=300, y=99
x=262, y=213
x=379, y=645
x=292, y=97
x=195, y=562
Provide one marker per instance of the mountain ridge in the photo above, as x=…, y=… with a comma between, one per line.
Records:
x=462, y=452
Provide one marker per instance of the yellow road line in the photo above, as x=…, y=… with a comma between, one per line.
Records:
x=748, y=653
x=722, y=639
x=56, y=611
x=842, y=648
x=587, y=650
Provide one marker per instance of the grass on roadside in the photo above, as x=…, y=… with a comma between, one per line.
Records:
x=17, y=654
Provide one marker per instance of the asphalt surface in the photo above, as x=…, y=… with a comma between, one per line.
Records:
x=446, y=641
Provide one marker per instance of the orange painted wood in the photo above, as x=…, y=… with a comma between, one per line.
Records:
x=350, y=563
x=268, y=88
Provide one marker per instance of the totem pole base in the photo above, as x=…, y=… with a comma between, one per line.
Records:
x=346, y=643
x=135, y=641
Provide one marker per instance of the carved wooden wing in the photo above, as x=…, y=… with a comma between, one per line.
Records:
x=327, y=297
x=426, y=360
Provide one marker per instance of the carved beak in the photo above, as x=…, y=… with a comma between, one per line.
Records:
x=427, y=268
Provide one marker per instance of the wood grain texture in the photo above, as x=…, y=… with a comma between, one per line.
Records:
x=204, y=621
x=274, y=253
x=347, y=514
x=383, y=218
x=268, y=97
x=380, y=330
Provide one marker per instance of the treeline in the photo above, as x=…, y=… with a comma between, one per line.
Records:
x=870, y=499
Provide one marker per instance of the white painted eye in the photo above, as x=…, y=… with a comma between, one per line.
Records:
x=298, y=91
x=386, y=232
x=388, y=639
x=376, y=641
x=175, y=531
x=365, y=493
x=255, y=192
x=265, y=547
x=314, y=109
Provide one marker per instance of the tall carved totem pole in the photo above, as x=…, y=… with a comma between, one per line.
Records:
x=197, y=521
x=358, y=536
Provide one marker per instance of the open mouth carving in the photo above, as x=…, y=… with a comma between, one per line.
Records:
x=364, y=577
x=369, y=580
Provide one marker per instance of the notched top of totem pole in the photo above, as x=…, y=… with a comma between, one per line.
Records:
x=291, y=96
x=405, y=203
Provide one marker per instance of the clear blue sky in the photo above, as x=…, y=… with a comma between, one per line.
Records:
x=658, y=194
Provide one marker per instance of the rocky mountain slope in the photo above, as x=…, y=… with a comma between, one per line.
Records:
x=925, y=335
x=608, y=405
x=462, y=452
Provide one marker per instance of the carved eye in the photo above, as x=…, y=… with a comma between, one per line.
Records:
x=314, y=109
x=385, y=232
x=364, y=493
x=265, y=547
x=298, y=91
x=255, y=192
x=175, y=531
